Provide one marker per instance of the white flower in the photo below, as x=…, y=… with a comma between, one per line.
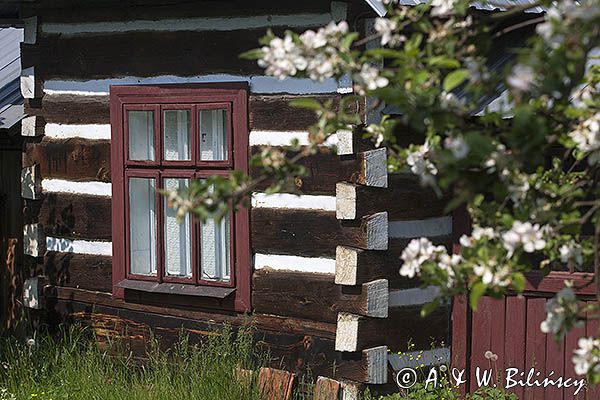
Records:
x=586, y=357
x=386, y=27
x=313, y=40
x=493, y=275
x=420, y=165
x=477, y=234
x=523, y=234
x=458, y=146
x=369, y=79
x=442, y=7
x=521, y=78
x=447, y=263
x=587, y=138
x=282, y=58
x=416, y=253
x=449, y=101
x=377, y=132
x=558, y=309
x=571, y=252
x=518, y=189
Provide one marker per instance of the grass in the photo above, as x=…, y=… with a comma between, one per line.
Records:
x=74, y=367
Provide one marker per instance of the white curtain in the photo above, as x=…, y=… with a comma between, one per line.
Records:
x=213, y=128
x=215, y=253
x=178, y=246
x=177, y=134
x=142, y=225
x=141, y=135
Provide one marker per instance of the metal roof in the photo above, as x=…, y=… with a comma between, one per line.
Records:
x=492, y=5
x=11, y=102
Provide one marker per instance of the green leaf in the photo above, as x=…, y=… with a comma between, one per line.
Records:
x=430, y=307
x=455, y=78
x=477, y=290
x=306, y=102
x=443, y=62
x=253, y=54
x=518, y=282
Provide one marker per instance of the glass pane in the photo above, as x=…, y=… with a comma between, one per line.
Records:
x=215, y=250
x=213, y=135
x=142, y=225
x=178, y=236
x=178, y=134
x=141, y=135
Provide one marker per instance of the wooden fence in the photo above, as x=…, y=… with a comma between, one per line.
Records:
x=510, y=329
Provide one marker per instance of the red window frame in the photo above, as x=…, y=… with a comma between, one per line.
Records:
x=233, y=97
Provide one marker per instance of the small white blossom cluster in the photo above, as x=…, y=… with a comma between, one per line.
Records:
x=518, y=188
x=493, y=274
x=525, y=234
x=562, y=14
x=496, y=159
x=418, y=252
x=561, y=307
x=521, y=78
x=587, y=356
x=450, y=102
x=369, y=78
x=477, y=234
x=419, y=164
x=587, y=138
x=458, y=146
x=316, y=53
x=441, y=8
x=179, y=203
x=386, y=28
x=571, y=252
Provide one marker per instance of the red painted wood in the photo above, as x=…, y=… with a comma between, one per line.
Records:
x=571, y=344
x=536, y=283
x=231, y=96
x=591, y=329
x=535, y=346
x=555, y=354
x=514, y=346
x=481, y=340
x=461, y=335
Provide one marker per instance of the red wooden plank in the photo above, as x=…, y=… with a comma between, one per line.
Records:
x=555, y=281
x=461, y=334
x=498, y=332
x=555, y=366
x=591, y=329
x=481, y=340
x=571, y=344
x=514, y=348
x=535, y=356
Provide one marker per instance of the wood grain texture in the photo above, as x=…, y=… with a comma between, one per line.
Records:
x=266, y=112
x=403, y=199
x=73, y=270
x=73, y=159
x=71, y=215
x=143, y=54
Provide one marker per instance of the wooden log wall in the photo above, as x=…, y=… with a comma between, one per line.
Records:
x=320, y=256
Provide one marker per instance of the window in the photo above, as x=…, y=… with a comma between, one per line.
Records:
x=163, y=137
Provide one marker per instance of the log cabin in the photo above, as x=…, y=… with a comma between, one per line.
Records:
x=126, y=97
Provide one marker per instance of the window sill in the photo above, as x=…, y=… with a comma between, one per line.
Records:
x=176, y=288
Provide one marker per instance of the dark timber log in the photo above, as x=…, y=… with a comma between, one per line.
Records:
x=314, y=296
x=81, y=271
x=117, y=10
x=143, y=54
x=354, y=266
x=313, y=233
x=71, y=215
x=297, y=352
x=267, y=112
x=73, y=159
x=404, y=199
x=355, y=333
x=371, y=367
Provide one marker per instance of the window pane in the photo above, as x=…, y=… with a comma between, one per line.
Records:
x=178, y=133
x=141, y=135
x=213, y=134
x=178, y=236
x=215, y=250
x=142, y=225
